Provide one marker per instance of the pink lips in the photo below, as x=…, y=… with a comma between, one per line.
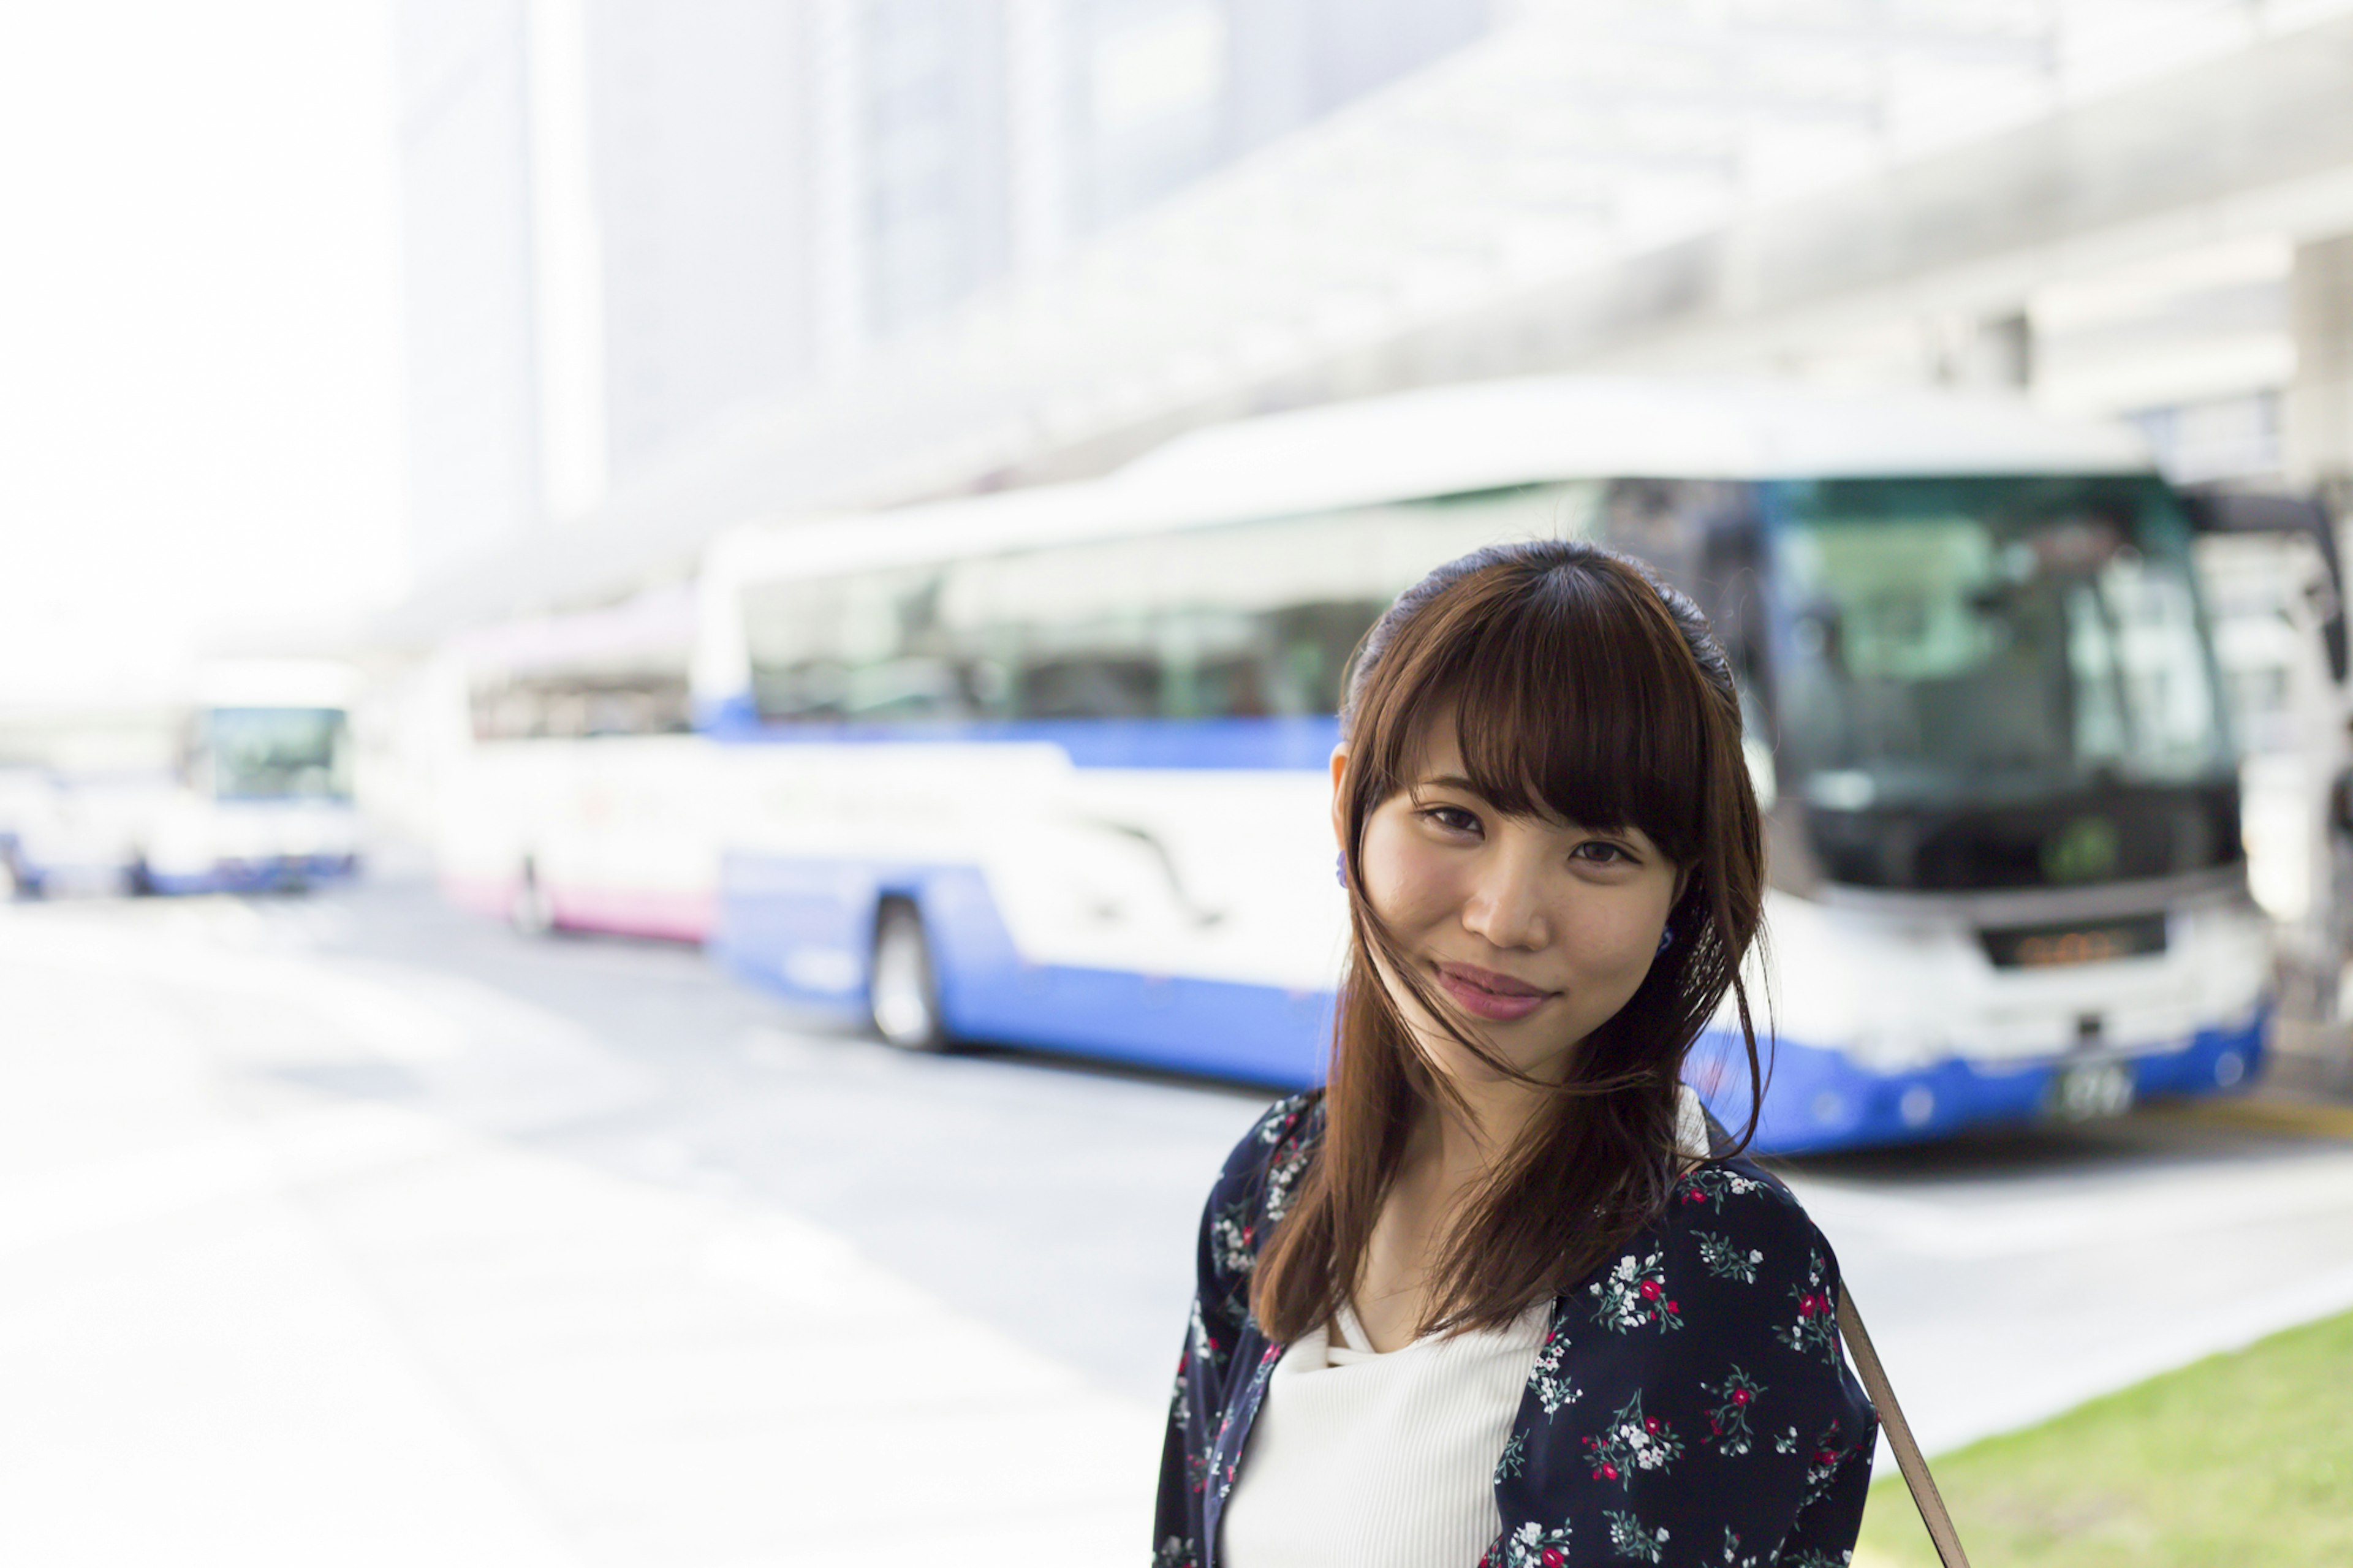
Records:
x=1484, y=993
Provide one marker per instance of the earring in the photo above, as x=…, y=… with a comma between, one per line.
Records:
x=1340, y=869
x=1666, y=937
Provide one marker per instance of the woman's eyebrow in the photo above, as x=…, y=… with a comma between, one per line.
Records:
x=1457, y=782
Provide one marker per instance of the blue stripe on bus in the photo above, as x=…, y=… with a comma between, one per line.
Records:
x=806, y=928
x=259, y=876
x=1298, y=742
x=1820, y=1099
x=776, y=914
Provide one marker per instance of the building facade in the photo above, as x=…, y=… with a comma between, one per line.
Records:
x=473, y=416
x=629, y=222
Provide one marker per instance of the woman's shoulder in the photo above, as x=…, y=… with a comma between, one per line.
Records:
x=1735, y=1252
x=1734, y=1192
x=1694, y=1382
x=1721, y=1203
x=1280, y=1140
x=1254, y=1189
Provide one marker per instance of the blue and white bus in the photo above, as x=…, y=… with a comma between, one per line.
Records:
x=262, y=796
x=1049, y=767
x=241, y=784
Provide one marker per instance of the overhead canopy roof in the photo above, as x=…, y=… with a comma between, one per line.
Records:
x=1595, y=174
x=1484, y=436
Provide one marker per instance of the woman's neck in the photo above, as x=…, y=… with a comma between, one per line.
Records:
x=1470, y=1139
x=1447, y=1159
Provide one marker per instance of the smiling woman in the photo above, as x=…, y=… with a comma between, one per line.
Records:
x=1570, y=911
x=1491, y=1288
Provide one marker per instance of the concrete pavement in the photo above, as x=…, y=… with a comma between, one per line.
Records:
x=244, y=1319
x=352, y=1231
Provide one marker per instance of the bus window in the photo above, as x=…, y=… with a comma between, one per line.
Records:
x=868, y=646
x=573, y=706
x=1243, y=620
x=1960, y=648
x=276, y=753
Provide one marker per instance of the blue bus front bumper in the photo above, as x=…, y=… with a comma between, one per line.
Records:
x=1820, y=1099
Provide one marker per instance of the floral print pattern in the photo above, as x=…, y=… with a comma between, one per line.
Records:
x=1234, y=1236
x=1530, y=1546
x=1632, y=1442
x=1815, y=1328
x=1634, y=1295
x=1548, y=1381
x=1712, y=1184
x=1727, y=1418
x=1630, y=1537
x=1664, y=1418
x=1827, y=1457
x=1726, y=1260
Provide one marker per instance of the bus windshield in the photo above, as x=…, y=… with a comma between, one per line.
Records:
x=1983, y=640
x=278, y=753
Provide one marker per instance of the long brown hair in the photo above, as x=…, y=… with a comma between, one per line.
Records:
x=1581, y=688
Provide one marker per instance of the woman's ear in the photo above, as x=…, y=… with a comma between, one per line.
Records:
x=1340, y=796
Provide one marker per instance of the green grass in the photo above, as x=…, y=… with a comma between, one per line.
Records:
x=2238, y=1460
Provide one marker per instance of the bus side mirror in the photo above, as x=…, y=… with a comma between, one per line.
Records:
x=2340, y=806
x=2245, y=512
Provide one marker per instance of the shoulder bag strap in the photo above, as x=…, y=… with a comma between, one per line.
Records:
x=1899, y=1436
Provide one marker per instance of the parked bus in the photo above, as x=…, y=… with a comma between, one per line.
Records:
x=77, y=782
x=577, y=796
x=1048, y=767
x=243, y=785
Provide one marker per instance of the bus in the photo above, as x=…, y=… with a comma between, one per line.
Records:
x=242, y=784
x=576, y=795
x=1048, y=767
x=77, y=781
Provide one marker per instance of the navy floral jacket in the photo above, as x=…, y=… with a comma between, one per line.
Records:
x=1692, y=1403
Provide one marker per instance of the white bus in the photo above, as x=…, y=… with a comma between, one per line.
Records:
x=1049, y=767
x=242, y=784
x=576, y=795
x=77, y=782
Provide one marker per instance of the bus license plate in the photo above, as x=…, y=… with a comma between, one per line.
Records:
x=2087, y=1090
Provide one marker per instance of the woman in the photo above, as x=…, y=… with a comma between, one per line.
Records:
x=1486, y=1297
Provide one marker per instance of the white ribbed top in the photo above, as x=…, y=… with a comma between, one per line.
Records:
x=1380, y=1460
x=1388, y=1460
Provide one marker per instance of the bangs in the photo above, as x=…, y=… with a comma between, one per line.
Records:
x=1572, y=699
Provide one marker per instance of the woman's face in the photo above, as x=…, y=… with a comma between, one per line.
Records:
x=1537, y=930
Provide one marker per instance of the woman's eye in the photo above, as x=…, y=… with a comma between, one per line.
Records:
x=1601, y=853
x=1453, y=818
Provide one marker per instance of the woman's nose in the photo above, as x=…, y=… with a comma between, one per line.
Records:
x=1506, y=904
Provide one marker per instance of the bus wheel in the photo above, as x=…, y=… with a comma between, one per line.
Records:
x=903, y=993
x=528, y=912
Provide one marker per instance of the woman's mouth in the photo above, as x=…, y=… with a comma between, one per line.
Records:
x=1484, y=993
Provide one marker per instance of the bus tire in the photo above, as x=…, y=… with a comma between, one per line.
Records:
x=529, y=911
x=902, y=989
